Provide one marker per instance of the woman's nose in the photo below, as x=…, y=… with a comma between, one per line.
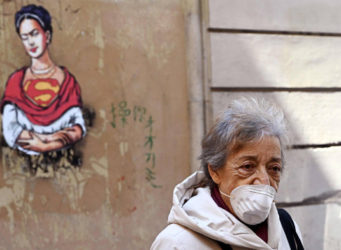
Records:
x=262, y=178
x=30, y=40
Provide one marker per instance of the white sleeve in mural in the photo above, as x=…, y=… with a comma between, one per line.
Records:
x=14, y=121
x=10, y=125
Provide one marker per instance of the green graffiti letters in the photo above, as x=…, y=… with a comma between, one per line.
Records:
x=139, y=114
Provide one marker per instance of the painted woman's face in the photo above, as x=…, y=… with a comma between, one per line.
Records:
x=33, y=37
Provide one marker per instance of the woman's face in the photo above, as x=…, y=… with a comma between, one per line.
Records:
x=33, y=37
x=253, y=163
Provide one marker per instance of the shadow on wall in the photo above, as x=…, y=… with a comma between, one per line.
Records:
x=309, y=181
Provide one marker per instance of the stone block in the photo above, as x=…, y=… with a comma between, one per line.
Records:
x=311, y=221
x=289, y=15
x=313, y=117
x=254, y=60
x=319, y=225
x=311, y=176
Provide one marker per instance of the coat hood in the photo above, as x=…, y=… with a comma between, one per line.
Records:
x=195, y=209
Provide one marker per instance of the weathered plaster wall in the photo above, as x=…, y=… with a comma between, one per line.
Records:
x=127, y=55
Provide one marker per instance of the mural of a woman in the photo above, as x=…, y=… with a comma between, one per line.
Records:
x=41, y=107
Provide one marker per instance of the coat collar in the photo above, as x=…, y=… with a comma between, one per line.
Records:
x=195, y=209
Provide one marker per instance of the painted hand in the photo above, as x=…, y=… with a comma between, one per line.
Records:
x=62, y=136
x=34, y=143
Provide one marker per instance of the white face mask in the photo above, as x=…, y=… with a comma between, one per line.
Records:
x=252, y=203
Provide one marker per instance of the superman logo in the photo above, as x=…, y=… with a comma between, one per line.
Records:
x=42, y=92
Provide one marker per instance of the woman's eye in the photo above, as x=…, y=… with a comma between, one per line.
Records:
x=23, y=38
x=247, y=166
x=275, y=169
x=35, y=33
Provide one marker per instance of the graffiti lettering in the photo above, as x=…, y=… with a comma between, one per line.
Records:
x=138, y=114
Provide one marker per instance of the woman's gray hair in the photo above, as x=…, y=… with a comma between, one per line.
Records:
x=245, y=120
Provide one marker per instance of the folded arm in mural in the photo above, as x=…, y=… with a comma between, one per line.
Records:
x=41, y=106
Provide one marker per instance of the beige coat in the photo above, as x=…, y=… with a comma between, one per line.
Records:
x=196, y=222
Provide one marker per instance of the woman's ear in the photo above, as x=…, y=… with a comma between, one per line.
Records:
x=48, y=37
x=214, y=175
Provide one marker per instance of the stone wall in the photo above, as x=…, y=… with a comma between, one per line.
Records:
x=288, y=52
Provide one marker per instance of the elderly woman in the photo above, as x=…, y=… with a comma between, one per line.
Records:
x=230, y=205
x=41, y=106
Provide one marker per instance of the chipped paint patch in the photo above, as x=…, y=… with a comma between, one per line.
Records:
x=6, y=196
x=123, y=148
x=119, y=183
x=99, y=42
x=10, y=214
x=119, y=187
x=100, y=166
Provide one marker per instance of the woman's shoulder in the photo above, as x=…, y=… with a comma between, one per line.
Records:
x=60, y=74
x=176, y=236
x=17, y=74
x=65, y=70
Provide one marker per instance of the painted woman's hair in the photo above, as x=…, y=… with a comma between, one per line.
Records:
x=38, y=13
